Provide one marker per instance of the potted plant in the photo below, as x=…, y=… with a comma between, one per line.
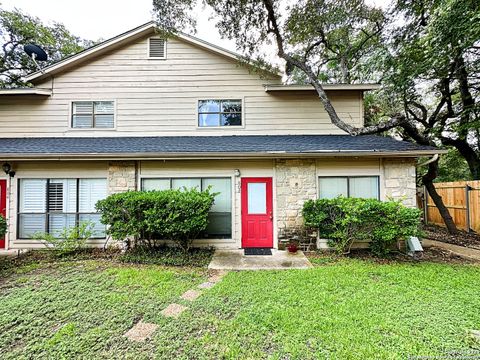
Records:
x=292, y=247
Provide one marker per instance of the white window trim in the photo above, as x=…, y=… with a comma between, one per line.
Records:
x=196, y=176
x=70, y=116
x=378, y=176
x=16, y=206
x=222, y=128
x=164, y=49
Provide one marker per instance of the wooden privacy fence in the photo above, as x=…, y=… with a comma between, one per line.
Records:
x=462, y=198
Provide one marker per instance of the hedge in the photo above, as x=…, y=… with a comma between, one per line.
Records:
x=146, y=216
x=346, y=220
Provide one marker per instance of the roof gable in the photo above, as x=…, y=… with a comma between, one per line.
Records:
x=122, y=40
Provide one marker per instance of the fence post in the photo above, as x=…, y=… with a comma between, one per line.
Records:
x=467, y=203
x=425, y=207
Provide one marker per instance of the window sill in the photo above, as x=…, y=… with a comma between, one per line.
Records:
x=92, y=129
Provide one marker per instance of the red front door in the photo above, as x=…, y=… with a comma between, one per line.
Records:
x=3, y=206
x=257, y=215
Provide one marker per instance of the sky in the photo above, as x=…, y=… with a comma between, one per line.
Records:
x=103, y=19
x=94, y=19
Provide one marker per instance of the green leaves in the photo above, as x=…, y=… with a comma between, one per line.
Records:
x=69, y=239
x=18, y=29
x=3, y=225
x=347, y=220
x=178, y=215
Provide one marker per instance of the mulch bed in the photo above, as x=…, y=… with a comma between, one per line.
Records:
x=463, y=238
x=430, y=254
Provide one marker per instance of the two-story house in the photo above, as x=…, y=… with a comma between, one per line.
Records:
x=138, y=112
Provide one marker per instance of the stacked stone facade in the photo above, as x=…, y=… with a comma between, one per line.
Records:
x=295, y=183
x=400, y=180
x=122, y=176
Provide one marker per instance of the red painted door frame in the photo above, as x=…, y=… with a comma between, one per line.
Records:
x=257, y=229
x=3, y=206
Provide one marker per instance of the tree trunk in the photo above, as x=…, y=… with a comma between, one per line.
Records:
x=427, y=180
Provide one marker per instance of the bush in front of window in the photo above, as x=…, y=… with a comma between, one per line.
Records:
x=142, y=217
x=347, y=220
x=3, y=225
x=69, y=239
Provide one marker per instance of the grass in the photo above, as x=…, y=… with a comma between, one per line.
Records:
x=340, y=309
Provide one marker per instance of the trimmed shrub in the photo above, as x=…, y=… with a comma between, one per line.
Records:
x=347, y=220
x=146, y=216
x=3, y=225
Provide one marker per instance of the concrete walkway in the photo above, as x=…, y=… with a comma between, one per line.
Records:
x=464, y=252
x=11, y=252
x=279, y=260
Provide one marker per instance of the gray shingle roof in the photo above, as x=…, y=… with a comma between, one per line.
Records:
x=171, y=145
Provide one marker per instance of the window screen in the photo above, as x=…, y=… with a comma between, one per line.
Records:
x=349, y=186
x=219, y=113
x=93, y=114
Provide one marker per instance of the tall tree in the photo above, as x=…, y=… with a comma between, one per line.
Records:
x=429, y=62
x=18, y=29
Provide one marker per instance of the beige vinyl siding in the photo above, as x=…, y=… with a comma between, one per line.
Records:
x=159, y=97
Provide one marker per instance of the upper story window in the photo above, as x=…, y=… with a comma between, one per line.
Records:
x=219, y=113
x=157, y=48
x=93, y=114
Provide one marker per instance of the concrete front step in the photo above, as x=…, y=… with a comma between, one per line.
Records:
x=279, y=260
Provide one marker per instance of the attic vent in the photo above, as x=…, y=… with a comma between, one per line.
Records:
x=156, y=48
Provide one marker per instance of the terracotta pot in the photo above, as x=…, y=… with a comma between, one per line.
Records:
x=292, y=248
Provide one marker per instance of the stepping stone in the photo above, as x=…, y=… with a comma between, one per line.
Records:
x=206, y=285
x=141, y=331
x=475, y=334
x=191, y=295
x=216, y=276
x=173, y=310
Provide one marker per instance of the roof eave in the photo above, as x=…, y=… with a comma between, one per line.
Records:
x=361, y=87
x=218, y=155
x=30, y=91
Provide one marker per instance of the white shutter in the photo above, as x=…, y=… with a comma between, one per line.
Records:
x=90, y=191
x=157, y=48
x=32, y=200
x=33, y=195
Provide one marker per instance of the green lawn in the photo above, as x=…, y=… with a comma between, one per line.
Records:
x=348, y=309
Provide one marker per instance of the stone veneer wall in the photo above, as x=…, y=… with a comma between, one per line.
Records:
x=122, y=176
x=400, y=180
x=295, y=183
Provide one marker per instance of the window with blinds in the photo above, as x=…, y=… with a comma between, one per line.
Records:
x=220, y=216
x=93, y=114
x=349, y=186
x=50, y=205
x=157, y=48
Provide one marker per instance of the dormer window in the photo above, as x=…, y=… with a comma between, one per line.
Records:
x=215, y=113
x=157, y=48
x=93, y=115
